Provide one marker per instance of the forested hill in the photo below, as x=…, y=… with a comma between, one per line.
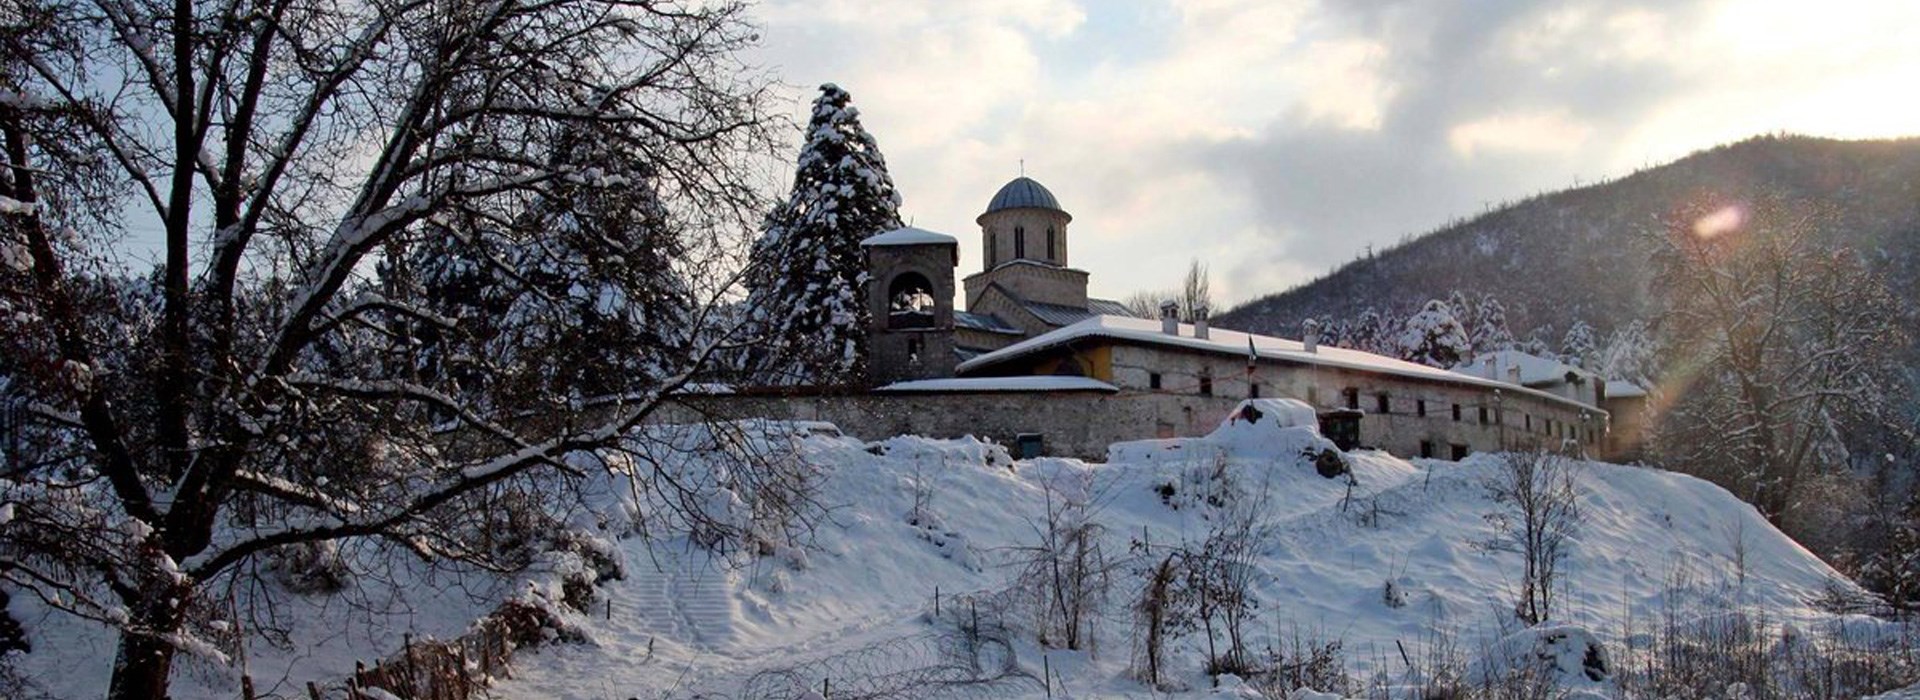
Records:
x=1581, y=254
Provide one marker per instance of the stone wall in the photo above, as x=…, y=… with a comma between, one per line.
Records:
x=1418, y=416
x=997, y=235
x=1063, y=286
x=1072, y=423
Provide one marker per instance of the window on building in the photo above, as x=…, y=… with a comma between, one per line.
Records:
x=1426, y=449
x=1153, y=380
x=1456, y=412
x=993, y=248
x=914, y=347
x=1529, y=418
x=1052, y=249
x=1382, y=404
x=1420, y=407
x=1353, y=397
x=1459, y=452
x=1313, y=396
x=1019, y=242
x=1483, y=415
x=1206, y=385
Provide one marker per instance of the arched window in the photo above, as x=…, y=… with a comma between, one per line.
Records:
x=1051, y=248
x=993, y=248
x=910, y=302
x=1019, y=242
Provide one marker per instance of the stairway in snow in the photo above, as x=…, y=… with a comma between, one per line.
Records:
x=684, y=597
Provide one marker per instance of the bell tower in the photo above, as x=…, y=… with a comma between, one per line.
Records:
x=910, y=298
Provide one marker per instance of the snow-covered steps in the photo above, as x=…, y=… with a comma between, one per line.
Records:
x=703, y=593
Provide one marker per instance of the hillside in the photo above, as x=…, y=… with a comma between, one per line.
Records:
x=1386, y=578
x=915, y=518
x=1577, y=254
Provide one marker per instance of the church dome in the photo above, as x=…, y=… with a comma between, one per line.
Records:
x=1023, y=192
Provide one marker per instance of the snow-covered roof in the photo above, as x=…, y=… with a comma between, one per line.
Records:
x=1623, y=389
x=908, y=235
x=1223, y=341
x=1534, y=369
x=1033, y=383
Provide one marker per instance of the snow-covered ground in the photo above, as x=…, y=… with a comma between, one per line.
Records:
x=910, y=518
x=858, y=603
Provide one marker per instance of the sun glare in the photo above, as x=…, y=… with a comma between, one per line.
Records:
x=1726, y=219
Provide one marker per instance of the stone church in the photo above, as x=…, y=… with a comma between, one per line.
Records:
x=1025, y=287
x=1029, y=328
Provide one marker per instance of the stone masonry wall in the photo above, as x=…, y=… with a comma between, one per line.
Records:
x=1073, y=424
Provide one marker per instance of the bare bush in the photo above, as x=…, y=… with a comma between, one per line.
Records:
x=1065, y=576
x=1542, y=512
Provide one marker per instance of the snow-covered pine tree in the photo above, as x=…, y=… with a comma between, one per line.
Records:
x=1578, y=346
x=1433, y=337
x=569, y=298
x=1464, y=311
x=1628, y=355
x=1368, y=332
x=1490, y=332
x=807, y=300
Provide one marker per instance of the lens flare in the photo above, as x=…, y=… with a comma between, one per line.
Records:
x=1726, y=219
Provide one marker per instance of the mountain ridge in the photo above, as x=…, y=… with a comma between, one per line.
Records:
x=1579, y=254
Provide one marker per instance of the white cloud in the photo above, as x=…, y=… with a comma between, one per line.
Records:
x=1275, y=139
x=1555, y=131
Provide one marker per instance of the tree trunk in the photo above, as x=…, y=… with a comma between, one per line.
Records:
x=145, y=660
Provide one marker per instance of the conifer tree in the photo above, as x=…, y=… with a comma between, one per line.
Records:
x=1577, y=346
x=809, y=273
x=1433, y=337
x=572, y=296
x=1490, y=332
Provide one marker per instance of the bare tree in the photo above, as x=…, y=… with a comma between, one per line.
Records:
x=1541, y=513
x=1196, y=290
x=1779, y=342
x=258, y=391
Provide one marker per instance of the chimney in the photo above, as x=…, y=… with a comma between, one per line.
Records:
x=1310, y=335
x=1513, y=374
x=1169, y=317
x=1200, y=321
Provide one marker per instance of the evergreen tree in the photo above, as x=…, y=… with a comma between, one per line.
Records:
x=1628, y=355
x=1490, y=333
x=1464, y=311
x=809, y=272
x=572, y=296
x=1433, y=337
x=1577, y=347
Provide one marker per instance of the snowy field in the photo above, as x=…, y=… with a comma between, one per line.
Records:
x=859, y=602
x=1390, y=564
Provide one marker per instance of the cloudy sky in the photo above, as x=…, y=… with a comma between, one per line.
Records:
x=1276, y=139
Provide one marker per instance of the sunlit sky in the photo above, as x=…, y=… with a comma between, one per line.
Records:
x=1276, y=139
